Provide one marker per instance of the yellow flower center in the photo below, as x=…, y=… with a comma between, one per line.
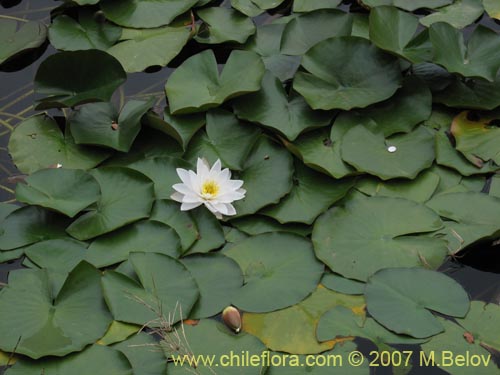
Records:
x=209, y=188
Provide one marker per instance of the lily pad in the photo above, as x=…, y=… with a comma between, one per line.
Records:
x=223, y=25
x=89, y=32
x=329, y=83
x=267, y=4
x=115, y=208
x=247, y=7
x=409, y=5
x=304, y=31
x=310, y=196
x=57, y=255
x=492, y=7
x=210, y=235
x=273, y=108
x=459, y=14
x=118, y=332
x=144, y=13
x=197, y=86
x=144, y=236
x=293, y=330
x=100, y=124
x=144, y=354
x=68, y=191
x=166, y=291
x=257, y=224
x=340, y=284
x=398, y=156
x=36, y=323
x=368, y=234
x=477, y=58
x=96, y=359
x=480, y=322
x=38, y=143
x=75, y=77
x=400, y=300
x=15, y=40
x=139, y=49
x=310, y=5
x=279, y=269
x=219, y=279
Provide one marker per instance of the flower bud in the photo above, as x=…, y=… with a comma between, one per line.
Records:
x=232, y=318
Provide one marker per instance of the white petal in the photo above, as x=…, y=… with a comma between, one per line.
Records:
x=183, y=188
x=191, y=198
x=221, y=207
x=241, y=191
x=189, y=206
x=230, y=196
x=177, y=197
x=216, y=167
x=184, y=176
x=195, y=182
x=230, y=209
x=202, y=169
x=225, y=174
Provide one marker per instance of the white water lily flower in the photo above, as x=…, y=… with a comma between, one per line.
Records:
x=212, y=187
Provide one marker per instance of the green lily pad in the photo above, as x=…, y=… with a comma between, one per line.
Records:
x=267, y=4
x=409, y=5
x=89, y=32
x=400, y=300
x=477, y=58
x=57, y=255
x=144, y=13
x=96, y=359
x=480, y=321
x=398, y=156
x=477, y=138
x=197, y=86
x=210, y=234
x=273, y=108
x=29, y=225
x=116, y=207
x=100, y=124
x=246, y=7
x=343, y=82
x=68, y=191
x=219, y=279
x=368, y=234
x=139, y=49
x=312, y=194
x=223, y=140
x=459, y=14
x=279, y=269
x=306, y=30
x=475, y=218
x=38, y=143
x=310, y=5
x=15, y=40
x=257, y=224
x=394, y=30
x=169, y=213
x=495, y=186
x=267, y=165
x=144, y=354
x=165, y=290
x=118, y=332
x=492, y=7
x=293, y=330
x=223, y=25
x=36, y=323
x=457, y=347
x=210, y=338
x=144, y=236
x=75, y=77
x=340, y=284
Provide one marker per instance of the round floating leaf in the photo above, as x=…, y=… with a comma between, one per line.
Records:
x=38, y=143
x=477, y=138
x=89, y=32
x=99, y=124
x=273, y=108
x=28, y=225
x=457, y=347
x=126, y=196
x=210, y=235
x=268, y=165
x=70, y=78
x=311, y=195
x=279, y=268
x=142, y=352
x=343, y=82
x=369, y=234
x=37, y=323
x=293, y=330
x=169, y=213
x=14, y=40
x=400, y=300
x=409, y=5
x=492, y=7
x=219, y=279
x=165, y=288
x=246, y=7
x=398, y=156
x=310, y=5
x=59, y=255
x=96, y=359
x=197, y=86
x=459, y=14
x=210, y=338
x=64, y=190
x=476, y=59
x=481, y=321
x=223, y=25
x=144, y=13
x=304, y=31
x=118, y=332
x=341, y=284
x=145, y=236
x=141, y=48
x=257, y=224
